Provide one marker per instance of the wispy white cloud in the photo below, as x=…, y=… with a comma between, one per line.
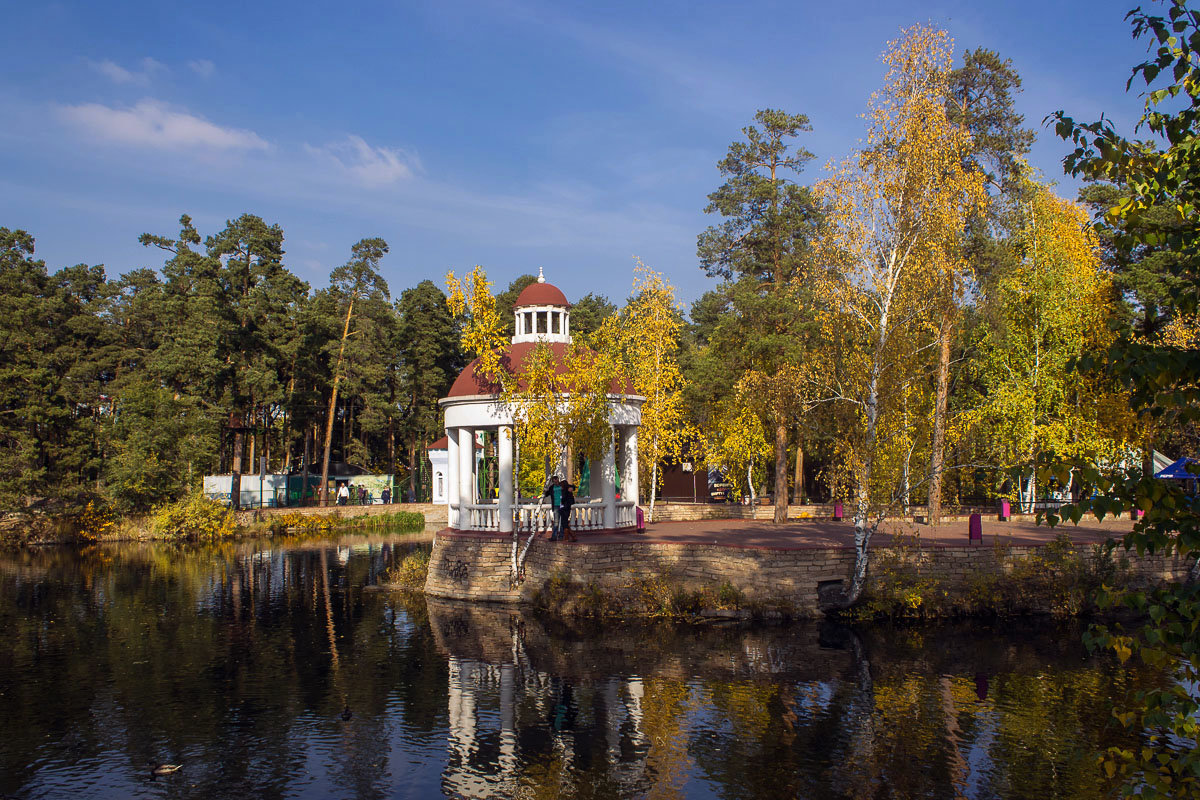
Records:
x=137, y=77
x=368, y=165
x=202, y=67
x=151, y=123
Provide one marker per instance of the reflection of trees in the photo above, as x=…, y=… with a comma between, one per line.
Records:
x=218, y=658
x=894, y=717
x=223, y=659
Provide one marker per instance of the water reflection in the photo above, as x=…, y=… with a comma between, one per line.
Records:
x=270, y=670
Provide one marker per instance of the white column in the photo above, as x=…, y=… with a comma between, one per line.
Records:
x=609, y=469
x=629, y=462
x=466, y=475
x=451, y=477
x=504, y=435
x=595, y=478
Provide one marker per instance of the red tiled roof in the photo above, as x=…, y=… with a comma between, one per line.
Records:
x=469, y=383
x=444, y=444
x=541, y=294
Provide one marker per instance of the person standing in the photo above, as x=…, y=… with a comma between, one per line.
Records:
x=343, y=495
x=568, y=500
x=555, y=492
x=386, y=496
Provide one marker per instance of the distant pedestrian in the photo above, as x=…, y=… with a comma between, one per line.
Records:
x=568, y=500
x=362, y=495
x=343, y=495
x=412, y=495
x=386, y=496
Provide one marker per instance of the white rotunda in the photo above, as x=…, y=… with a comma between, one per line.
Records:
x=542, y=315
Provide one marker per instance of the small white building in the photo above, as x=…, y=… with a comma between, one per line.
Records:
x=542, y=316
x=255, y=491
x=439, y=460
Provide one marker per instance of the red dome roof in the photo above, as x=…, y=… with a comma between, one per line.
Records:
x=468, y=383
x=541, y=294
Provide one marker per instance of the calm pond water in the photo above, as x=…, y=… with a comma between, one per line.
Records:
x=266, y=670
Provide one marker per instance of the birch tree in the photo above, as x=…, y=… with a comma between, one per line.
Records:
x=895, y=212
x=1052, y=307
x=651, y=324
x=980, y=99
x=736, y=444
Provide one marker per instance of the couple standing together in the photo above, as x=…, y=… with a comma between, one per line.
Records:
x=561, y=500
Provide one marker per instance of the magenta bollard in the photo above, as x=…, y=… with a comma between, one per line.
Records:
x=975, y=529
x=641, y=520
x=837, y=511
x=1005, y=510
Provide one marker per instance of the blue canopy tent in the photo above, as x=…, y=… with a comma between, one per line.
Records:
x=1178, y=470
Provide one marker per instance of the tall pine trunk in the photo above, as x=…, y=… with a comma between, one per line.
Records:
x=337, y=374
x=412, y=468
x=781, y=487
x=392, y=446
x=235, y=479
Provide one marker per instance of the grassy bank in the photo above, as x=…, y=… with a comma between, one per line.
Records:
x=194, y=518
x=409, y=575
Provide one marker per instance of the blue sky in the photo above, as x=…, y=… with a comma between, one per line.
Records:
x=509, y=134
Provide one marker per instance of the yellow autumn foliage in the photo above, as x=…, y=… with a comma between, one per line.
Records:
x=896, y=211
x=1053, y=306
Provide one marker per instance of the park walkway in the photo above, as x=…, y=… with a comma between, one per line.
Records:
x=802, y=534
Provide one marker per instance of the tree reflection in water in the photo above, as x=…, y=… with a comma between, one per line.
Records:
x=239, y=661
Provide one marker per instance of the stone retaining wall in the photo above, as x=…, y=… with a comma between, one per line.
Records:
x=476, y=567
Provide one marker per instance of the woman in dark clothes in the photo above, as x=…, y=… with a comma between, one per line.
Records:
x=568, y=500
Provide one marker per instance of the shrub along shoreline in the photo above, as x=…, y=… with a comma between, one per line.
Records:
x=194, y=518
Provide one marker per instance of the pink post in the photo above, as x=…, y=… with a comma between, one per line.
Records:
x=975, y=530
x=1005, y=510
x=837, y=511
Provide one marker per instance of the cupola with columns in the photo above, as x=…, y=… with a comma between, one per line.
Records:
x=542, y=314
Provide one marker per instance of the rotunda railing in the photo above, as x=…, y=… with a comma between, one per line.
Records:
x=585, y=516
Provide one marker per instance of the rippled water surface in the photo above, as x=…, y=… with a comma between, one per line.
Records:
x=274, y=671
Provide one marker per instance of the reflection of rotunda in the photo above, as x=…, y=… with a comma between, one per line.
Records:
x=543, y=317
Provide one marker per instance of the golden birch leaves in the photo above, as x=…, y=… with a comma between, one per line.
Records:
x=471, y=302
x=895, y=214
x=650, y=326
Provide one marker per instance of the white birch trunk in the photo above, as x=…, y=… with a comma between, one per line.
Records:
x=653, y=488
